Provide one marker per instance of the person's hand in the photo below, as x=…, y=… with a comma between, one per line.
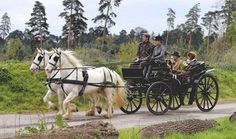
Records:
x=136, y=60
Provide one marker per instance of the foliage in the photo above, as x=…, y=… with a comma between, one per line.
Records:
x=38, y=23
x=40, y=127
x=128, y=51
x=5, y=26
x=5, y=75
x=15, y=49
x=222, y=131
x=60, y=123
x=75, y=21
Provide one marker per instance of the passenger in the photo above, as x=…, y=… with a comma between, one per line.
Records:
x=191, y=62
x=157, y=56
x=144, y=50
x=179, y=64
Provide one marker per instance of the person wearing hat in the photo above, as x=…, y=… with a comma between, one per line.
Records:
x=144, y=49
x=179, y=64
x=157, y=56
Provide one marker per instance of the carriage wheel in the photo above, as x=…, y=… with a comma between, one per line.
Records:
x=158, y=98
x=133, y=102
x=207, y=93
x=175, y=102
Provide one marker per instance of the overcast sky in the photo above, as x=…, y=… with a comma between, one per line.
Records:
x=150, y=14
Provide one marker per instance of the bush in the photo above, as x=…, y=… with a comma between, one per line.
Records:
x=5, y=75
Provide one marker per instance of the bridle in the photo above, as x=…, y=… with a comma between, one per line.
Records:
x=56, y=59
x=42, y=58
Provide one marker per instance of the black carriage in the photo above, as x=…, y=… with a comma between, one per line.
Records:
x=165, y=91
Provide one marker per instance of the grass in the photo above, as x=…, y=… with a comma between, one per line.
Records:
x=24, y=92
x=225, y=130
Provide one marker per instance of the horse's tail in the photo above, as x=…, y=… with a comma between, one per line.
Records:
x=121, y=92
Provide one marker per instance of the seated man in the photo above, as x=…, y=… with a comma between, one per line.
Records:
x=144, y=49
x=179, y=65
x=156, y=57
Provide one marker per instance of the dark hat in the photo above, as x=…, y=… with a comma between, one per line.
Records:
x=176, y=54
x=159, y=38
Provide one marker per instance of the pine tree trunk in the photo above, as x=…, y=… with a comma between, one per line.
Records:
x=69, y=33
x=105, y=25
x=167, y=37
x=190, y=41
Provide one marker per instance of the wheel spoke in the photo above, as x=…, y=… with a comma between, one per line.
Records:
x=209, y=100
x=134, y=104
x=127, y=107
x=177, y=101
x=153, y=105
x=201, y=101
x=157, y=106
x=161, y=106
x=204, y=102
x=212, y=97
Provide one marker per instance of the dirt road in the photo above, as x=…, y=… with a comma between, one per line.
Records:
x=10, y=123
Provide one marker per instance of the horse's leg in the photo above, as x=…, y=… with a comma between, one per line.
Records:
x=68, y=99
x=46, y=100
x=60, y=97
x=92, y=111
x=109, y=96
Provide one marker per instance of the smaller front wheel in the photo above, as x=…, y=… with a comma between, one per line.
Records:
x=158, y=98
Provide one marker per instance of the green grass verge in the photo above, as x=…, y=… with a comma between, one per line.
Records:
x=24, y=92
x=225, y=130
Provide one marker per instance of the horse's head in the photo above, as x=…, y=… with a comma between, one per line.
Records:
x=39, y=61
x=54, y=61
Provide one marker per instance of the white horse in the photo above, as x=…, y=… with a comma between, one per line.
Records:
x=39, y=62
x=65, y=60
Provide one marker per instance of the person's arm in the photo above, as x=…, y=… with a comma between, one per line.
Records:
x=160, y=55
x=138, y=52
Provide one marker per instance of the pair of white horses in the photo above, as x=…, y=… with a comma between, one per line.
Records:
x=60, y=64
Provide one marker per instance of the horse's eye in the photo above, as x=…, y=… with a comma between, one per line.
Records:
x=34, y=58
x=50, y=57
x=40, y=58
x=56, y=58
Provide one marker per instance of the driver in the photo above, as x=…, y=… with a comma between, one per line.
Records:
x=144, y=50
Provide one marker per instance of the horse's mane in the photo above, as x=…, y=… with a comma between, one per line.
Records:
x=48, y=52
x=70, y=55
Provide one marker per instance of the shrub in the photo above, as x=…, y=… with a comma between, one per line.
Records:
x=5, y=75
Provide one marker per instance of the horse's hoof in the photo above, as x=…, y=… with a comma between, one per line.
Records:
x=90, y=113
x=72, y=107
x=52, y=107
x=60, y=113
x=66, y=117
x=107, y=116
x=99, y=109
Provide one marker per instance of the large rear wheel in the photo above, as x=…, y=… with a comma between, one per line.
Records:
x=207, y=93
x=158, y=98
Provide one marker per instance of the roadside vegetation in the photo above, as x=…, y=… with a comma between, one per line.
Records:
x=223, y=131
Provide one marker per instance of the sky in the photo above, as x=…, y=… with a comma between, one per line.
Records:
x=149, y=14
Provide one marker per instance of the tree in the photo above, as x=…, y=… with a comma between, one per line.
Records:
x=75, y=20
x=127, y=51
x=170, y=22
x=15, y=49
x=38, y=23
x=192, y=21
x=106, y=15
x=5, y=26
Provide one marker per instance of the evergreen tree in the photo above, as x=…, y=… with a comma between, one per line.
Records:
x=192, y=21
x=38, y=23
x=5, y=26
x=75, y=20
x=170, y=22
x=106, y=15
